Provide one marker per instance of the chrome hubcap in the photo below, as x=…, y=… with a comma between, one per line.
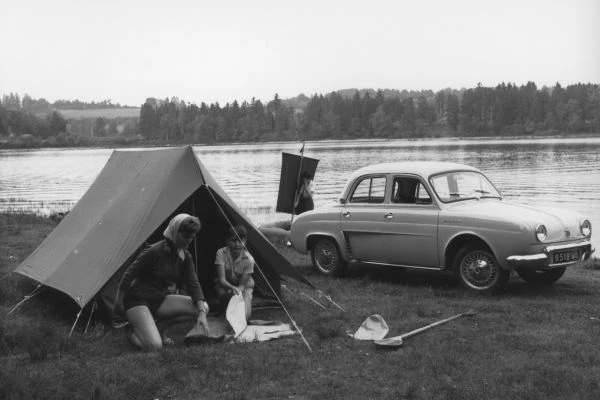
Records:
x=326, y=256
x=478, y=270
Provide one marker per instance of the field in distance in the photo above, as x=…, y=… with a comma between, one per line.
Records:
x=109, y=113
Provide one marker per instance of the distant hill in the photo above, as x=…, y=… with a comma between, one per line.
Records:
x=298, y=103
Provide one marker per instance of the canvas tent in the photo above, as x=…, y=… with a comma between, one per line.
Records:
x=129, y=204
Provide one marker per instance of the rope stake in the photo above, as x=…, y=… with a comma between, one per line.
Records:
x=75, y=323
x=314, y=301
x=94, y=307
x=321, y=294
x=29, y=296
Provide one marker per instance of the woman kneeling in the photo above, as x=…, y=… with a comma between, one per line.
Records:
x=146, y=291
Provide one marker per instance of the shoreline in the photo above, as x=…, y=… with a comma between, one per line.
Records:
x=123, y=143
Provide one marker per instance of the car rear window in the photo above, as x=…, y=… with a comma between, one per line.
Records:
x=407, y=190
x=369, y=190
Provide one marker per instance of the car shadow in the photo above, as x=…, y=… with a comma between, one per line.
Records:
x=517, y=287
x=445, y=281
x=404, y=276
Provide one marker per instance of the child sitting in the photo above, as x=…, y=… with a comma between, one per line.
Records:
x=234, y=269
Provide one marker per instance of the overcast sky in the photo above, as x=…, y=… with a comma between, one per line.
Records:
x=209, y=51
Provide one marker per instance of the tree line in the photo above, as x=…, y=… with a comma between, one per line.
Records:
x=505, y=110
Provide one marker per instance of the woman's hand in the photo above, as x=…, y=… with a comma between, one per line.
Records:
x=201, y=320
x=202, y=307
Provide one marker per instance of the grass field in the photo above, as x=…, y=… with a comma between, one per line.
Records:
x=528, y=343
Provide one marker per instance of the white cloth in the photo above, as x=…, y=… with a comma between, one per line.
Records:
x=236, y=314
x=374, y=328
x=260, y=332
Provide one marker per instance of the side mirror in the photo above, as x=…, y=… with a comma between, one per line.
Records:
x=342, y=201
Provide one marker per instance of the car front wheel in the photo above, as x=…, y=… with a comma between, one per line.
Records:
x=477, y=269
x=326, y=257
x=541, y=277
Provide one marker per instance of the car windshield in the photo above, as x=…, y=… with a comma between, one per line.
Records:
x=463, y=185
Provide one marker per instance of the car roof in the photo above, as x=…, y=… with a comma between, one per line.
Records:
x=423, y=168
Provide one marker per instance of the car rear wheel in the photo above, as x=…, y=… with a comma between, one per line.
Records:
x=326, y=257
x=541, y=277
x=477, y=269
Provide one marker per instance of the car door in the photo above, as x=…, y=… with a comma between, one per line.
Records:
x=410, y=225
x=362, y=217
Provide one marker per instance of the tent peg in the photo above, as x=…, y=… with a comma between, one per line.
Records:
x=321, y=294
x=75, y=323
x=25, y=298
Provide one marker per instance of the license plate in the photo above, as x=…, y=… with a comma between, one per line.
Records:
x=559, y=257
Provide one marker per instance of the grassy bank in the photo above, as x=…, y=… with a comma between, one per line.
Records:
x=529, y=343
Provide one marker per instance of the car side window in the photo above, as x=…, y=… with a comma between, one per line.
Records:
x=369, y=190
x=423, y=196
x=407, y=190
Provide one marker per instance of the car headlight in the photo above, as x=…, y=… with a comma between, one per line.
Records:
x=586, y=228
x=541, y=233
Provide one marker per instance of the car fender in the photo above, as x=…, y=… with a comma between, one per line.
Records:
x=451, y=244
x=314, y=223
x=502, y=234
x=337, y=237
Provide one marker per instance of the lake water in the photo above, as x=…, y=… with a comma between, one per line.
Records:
x=549, y=172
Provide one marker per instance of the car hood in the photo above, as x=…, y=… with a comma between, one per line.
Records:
x=512, y=217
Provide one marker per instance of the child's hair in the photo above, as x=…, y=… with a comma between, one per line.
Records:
x=190, y=225
x=237, y=231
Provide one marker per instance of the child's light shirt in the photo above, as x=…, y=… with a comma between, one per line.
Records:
x=234, y=269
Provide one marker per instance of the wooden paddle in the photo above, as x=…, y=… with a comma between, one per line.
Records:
x=397, y=341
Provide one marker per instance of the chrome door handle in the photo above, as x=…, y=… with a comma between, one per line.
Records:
x=347, y=214
x=388, y=215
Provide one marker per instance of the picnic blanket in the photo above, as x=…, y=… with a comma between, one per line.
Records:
x=235, y=328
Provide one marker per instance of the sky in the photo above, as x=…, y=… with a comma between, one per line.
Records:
x=220, y=51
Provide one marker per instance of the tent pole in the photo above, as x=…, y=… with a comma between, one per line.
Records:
x=195, y=239
x=297, y=181
x=27, y=297
x=260, y=270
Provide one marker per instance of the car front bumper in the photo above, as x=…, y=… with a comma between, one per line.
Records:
x=544, y=260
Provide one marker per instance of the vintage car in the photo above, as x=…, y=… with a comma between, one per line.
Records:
x=441, y=216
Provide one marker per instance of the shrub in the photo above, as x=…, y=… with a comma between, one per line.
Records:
x=593, y=264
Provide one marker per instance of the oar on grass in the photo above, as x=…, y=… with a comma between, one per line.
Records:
x=397, y=341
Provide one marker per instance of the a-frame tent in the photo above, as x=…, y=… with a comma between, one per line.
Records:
x=129, y=204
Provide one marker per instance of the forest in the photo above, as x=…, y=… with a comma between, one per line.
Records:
x=504, y=110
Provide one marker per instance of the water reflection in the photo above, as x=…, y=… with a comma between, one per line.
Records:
x=549, y=172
